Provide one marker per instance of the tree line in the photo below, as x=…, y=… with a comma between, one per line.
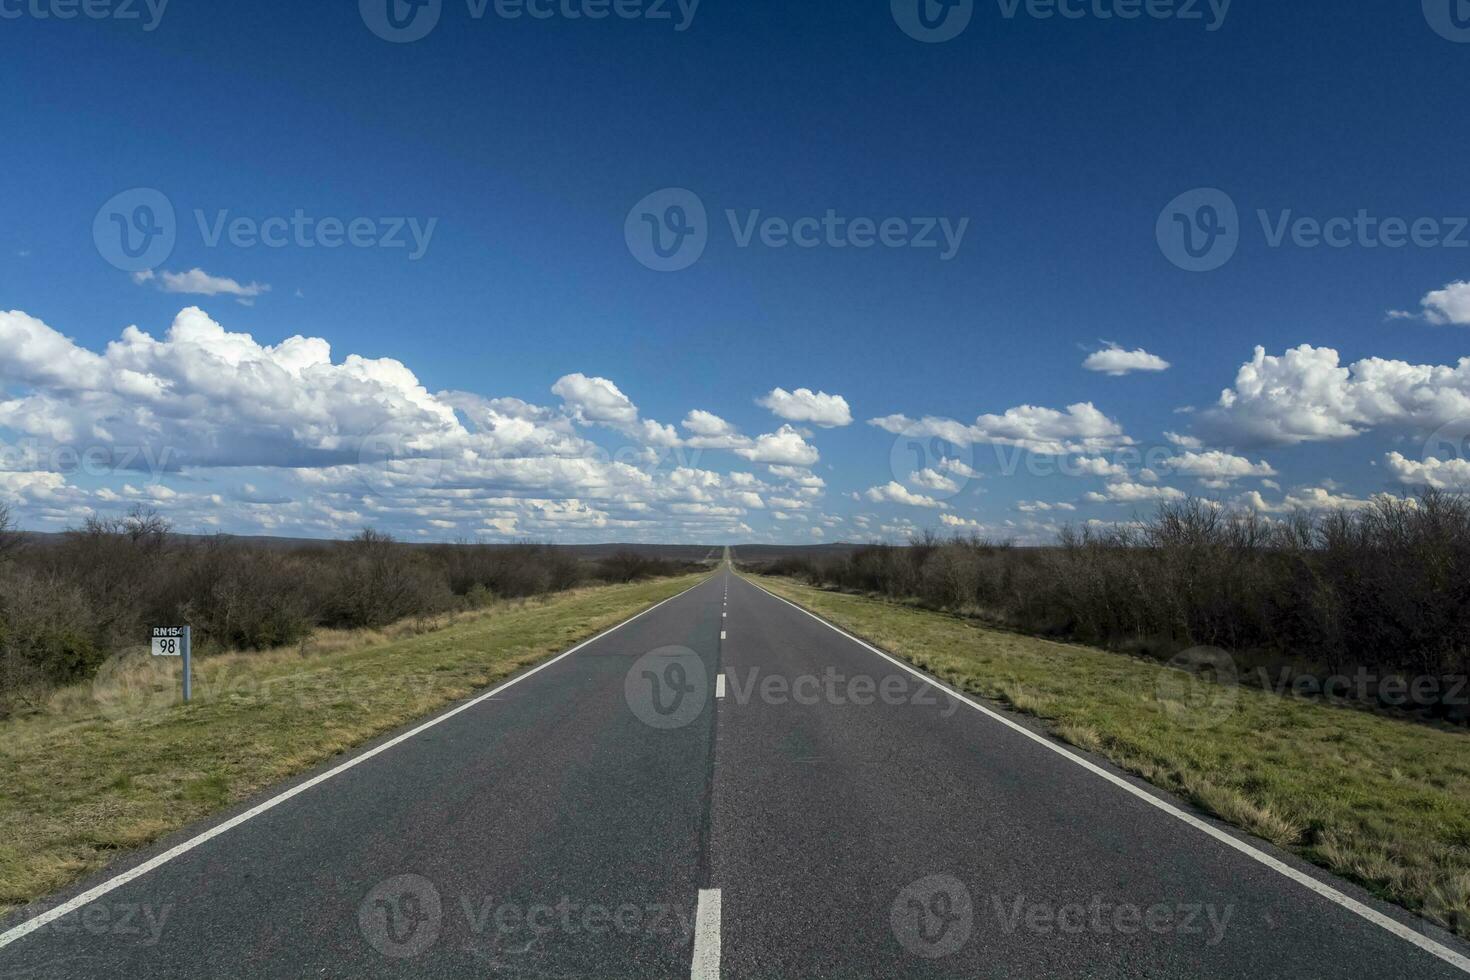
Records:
x=68, y=603
x=1376, y=592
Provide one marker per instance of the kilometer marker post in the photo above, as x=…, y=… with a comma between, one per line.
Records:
x=177, y=641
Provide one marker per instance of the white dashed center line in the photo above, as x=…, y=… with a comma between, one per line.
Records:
x=707, y=937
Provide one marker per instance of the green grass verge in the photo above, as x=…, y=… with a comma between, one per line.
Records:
x=117, y=764
x=1380, y=801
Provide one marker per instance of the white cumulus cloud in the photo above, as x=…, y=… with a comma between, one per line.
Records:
x=897, y=493
x=1042, y=507
x=1048, y=431
x=1217, y=466
x=1449, y=306
x=1134, y=493
x=707, y=425
x=784, y=447
x=1183, y=441
x=1306, y=395
x=1309, y=499
x=931, y=479
x=1443, y=474
x=595, y=400
x=300, y=442
x=1115, y=361
x=805, y=405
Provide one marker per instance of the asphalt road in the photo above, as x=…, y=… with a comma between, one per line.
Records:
x=724, y=786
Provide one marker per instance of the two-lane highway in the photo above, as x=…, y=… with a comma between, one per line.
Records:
x=723, y=786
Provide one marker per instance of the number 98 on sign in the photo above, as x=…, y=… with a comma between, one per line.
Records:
x=168, y=641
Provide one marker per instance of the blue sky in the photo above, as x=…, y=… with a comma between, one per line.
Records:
x=520, y=148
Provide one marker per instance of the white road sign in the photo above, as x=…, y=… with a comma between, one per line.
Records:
x=168, y=641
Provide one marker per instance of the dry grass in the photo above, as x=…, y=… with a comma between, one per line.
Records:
x=1379, y=800
x=117, y=764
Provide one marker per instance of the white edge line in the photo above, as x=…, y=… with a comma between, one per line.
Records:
x=1439, y=950
x=706, y=965
x=92, y=894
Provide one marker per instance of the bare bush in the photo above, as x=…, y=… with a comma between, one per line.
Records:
x=244, y=598
x=9, y=536
x=48, y=633
x=374, y=582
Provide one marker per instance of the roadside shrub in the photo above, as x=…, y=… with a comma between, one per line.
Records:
x=121, y=565
x=630, y=566
x=374, y=582
x=48, y=634
x=243, y=598
x=510, y=571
